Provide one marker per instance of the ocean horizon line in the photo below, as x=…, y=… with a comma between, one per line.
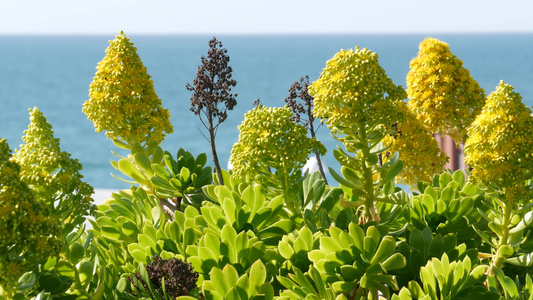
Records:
x=267, y=34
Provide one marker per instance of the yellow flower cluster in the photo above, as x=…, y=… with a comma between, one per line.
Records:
x=353, y=87
x=441, y=91
x=354, y=94
x=419, y=151
x=269, y=139
x=28, y=232
x=500, y=140
x=51, y=173
x=122, y=99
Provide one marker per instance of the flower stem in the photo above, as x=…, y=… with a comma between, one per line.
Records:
x=369, y=213
x=499, y=258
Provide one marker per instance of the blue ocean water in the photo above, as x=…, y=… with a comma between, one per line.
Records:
x=54, y=73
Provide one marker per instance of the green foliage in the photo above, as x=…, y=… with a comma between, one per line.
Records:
x=258, y=233
x=226, y=283
x=125, y=232
x=309, y=286
x=445, y=279
x=366, y=184
x=448, y=205
x=512, y=289
x=421, y=246
x=356, y=262
x=177, y=183
x=182, y=178
x=319, y=202
x=240, y=250
x=293, y=249
x=246, y=208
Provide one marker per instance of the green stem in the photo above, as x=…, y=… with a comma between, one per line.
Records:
x=498, y=258
x=369, y=213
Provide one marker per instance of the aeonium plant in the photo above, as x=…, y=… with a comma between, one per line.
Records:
x=498, y=150
x=360, y=104
x=56, y=181
x=29, y=231
x=54, y=177
x=272, y=148
x=122, y=102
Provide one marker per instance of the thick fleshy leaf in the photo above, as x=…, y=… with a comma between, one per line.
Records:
x=111, y=233
x=85, y=272
x=395, y=261
x=385, y=249
x=316, y=255
x=220, y=282
x=257, y=276
x=185, y=175
x=130, y=229
x=66, y=269
x=525, y=260
x=507, y=283
x=144, y=163
x=76, y=252
x=128, y=168
x=328, y=244
x=212, y=242
x=140, y=256
x=26, y=281
x=147, y=241
x=285, y=250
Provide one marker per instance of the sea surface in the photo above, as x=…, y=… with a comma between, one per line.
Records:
x=54, y=73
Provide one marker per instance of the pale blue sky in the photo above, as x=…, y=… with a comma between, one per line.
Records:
x=263, y=17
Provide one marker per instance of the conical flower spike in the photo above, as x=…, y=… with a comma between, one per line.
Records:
x=122, y=99
x=501, y=140
x=442, y=94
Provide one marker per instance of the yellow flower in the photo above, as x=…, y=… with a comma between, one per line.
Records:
x=23, y=219
x=419, y=151
x=442, y=94
x=352, y=88
x=269, y=139
x=500, y=140
x=122, y=98
x=52, y=173
x=14, y=268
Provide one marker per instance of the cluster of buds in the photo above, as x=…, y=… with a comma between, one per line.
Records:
x=29, y=233
x=442, y=94
x=122, y=100
x=354, y=88
x=269, y=139
x=54, y=176
x=419, y=150
x=498, y=148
